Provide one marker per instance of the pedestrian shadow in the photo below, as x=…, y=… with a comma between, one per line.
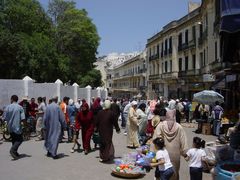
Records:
x=21, y=156
x=122, y=175
x=62, y=155
x=79, y=150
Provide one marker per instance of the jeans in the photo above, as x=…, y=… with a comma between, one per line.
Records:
x=17, y=140
x=195, y=173
x=124, y=119
x=70, y=132
x=216, y=127
x=165, y=175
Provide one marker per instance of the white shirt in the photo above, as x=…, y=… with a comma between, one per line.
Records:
x=163, y=154
x=195, y=156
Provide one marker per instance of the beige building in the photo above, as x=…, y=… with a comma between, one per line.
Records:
x=183, y=56
x=129, y=78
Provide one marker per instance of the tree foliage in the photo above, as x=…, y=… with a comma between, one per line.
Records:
x=61, y=44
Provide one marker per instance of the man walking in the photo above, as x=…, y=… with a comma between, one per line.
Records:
x=54, y=122
x=14, y=114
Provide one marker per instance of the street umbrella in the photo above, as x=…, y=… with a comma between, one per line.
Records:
x=208, y=97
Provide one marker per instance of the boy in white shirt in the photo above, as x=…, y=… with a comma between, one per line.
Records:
x=195, y=156
x=164, y=167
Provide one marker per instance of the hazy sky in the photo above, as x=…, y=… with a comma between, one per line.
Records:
x=125, y=25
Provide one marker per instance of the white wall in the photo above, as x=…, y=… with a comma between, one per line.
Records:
x=29, y=88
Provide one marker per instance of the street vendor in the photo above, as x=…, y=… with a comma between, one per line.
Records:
x=235, y=128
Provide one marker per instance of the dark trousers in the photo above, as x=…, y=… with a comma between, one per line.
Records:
x=178, y=116
x=17, y=140
x=195, y=173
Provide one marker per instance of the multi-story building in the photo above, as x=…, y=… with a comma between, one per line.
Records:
x=129, y=77
x=106, y=64
x=196, y=52
x=184, y=54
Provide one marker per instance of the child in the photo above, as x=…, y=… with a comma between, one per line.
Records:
x=164, y=167
x=195, y=157
x=76, y=127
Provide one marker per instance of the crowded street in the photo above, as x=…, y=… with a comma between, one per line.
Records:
x=35, y=164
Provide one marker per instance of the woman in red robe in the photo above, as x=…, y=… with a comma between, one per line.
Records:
x=85, y=118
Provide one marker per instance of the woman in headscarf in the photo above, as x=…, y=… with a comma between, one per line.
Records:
x=142, y=121
x=96, y=107
x=85, y=119
x=132, y=126
x=174, y=137
x=105, y=121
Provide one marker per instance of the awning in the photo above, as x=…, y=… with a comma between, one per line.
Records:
x=230, y=16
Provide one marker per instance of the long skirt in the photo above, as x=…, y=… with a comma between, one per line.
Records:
x=87, y=133
x=106, y=151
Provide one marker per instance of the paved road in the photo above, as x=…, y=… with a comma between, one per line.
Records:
x=75, y=166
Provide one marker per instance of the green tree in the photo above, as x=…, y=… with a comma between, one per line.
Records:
x=27, y=45
x=76, y=37
x=62, y=45
x=92, y=78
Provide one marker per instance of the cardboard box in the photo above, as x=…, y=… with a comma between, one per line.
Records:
x=206, y=129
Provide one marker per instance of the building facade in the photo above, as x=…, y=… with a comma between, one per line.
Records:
x=129, y=78
x=185, y=54
x=188, y=55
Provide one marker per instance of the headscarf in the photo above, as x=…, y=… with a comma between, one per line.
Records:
x=170, y=122
x=134, y=103
x=96, y=103
x=142, y=106
x=87, y=108
x=107, y=104
x=172, y=105
x=84, y=101
x=70, y=102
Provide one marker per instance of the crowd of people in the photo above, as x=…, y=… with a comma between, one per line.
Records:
x=157, y=122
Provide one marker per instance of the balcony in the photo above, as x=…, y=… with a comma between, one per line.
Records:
x=217, y=66
x=154, y=77
x=192, y=72
x=142, y=88
x=188, y=45
x=167, y=75
x=154, y=57
x=142, y=71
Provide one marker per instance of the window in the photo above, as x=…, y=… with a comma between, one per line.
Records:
x=166, y=47
x=204, y=57
x=180, y=64
x=201, y=59
x=162, y=50
x=162, y=67
x=200, y=30
x=158, y=49
x=166, y=66
x=180, y=39
x=186, y=63
x=194, y=61
x=194, y=33
x=186, y=36
x=216, y=51
x=170, y=46
x=170, y=65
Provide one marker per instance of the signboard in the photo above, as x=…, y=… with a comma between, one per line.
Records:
x=230, y=78
x=209, y=77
